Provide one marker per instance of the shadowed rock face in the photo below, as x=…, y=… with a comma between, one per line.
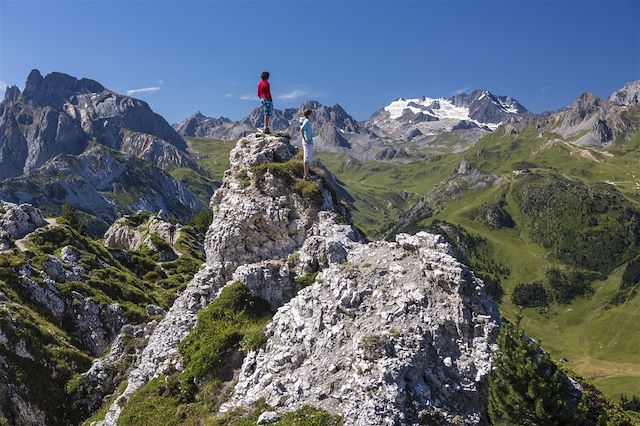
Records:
x=102, y=182
x=60, y=114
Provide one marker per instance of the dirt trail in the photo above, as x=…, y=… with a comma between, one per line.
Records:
x=22, y=242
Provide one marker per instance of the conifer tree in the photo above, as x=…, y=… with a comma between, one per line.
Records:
x=526, y=387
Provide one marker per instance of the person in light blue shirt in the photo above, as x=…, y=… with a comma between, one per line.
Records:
x=307, y=142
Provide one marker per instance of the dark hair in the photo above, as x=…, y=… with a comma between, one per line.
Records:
x=264, y=75
x=307, y=112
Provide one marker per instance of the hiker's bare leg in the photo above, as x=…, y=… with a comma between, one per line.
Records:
x=266, y=121
x=306, y=168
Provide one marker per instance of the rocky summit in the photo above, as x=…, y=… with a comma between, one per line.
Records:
x=387, y=333
x=60, y=114
x=396, y=333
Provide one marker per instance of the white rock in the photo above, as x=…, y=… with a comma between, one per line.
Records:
x=268, y=417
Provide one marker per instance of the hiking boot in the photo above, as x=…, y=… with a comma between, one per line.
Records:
x=267, y=131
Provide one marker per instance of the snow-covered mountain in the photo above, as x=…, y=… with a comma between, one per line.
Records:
x=424, y=119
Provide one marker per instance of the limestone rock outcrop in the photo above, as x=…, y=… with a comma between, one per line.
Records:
x=400, y=333
x=390, y=332
x=156, y=234
x=16, y=221
x=257, y=216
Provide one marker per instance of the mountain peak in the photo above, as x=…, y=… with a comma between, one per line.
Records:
x=56, y=87
x=629, y=94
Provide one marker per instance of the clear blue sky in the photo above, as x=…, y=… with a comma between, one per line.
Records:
x=207, y=55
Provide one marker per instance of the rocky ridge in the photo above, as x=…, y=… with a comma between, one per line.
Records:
x=102, y=182
x=593, y=121
x=259, y=222
x=16, y=221
x=59, y=114
x=431, y=325
x=395, y=333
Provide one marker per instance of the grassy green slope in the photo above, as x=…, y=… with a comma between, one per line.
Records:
x=213, y=156
x=133, y=280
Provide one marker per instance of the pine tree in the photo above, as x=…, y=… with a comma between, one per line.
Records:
x=526, y=387
x=71, y=217
x=202, y=220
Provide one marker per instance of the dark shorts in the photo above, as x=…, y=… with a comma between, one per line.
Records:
x=267, y=106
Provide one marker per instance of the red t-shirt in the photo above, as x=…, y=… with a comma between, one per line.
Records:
x=264, y=90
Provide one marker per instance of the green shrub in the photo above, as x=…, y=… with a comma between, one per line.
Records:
x=525, y=386
x=71, y=217
x=293, y=259
x=629, y=284
x=631, y=404
x=235, y=316
x=202, y=220
x=309, y=190
x=564, y=287
x=243, y=178
x=291, y=172
x=306, y=280
x=530, y=295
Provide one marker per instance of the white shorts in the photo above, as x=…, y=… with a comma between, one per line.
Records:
x=307, y=150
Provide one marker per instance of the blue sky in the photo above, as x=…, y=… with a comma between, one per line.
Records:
x=207, y=55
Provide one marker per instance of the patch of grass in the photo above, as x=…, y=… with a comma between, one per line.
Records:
x=306, y=280
x=244, y=178
x=151, y=404
x=233, y=318
x=212, y=155
x=291, y=172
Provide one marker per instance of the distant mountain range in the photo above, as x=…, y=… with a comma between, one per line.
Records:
x=46, y=128
x=385, y=134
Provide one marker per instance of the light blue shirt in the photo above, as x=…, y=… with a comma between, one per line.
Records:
x=308, y=131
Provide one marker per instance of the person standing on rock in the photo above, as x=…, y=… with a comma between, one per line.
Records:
x=307, y=142
x=264, y=93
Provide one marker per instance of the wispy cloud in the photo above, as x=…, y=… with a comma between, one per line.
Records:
x=242, y=97
x=143, y=90
x=292, y=95
x=3, y=85
x=159, y=81
x=460, y=91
